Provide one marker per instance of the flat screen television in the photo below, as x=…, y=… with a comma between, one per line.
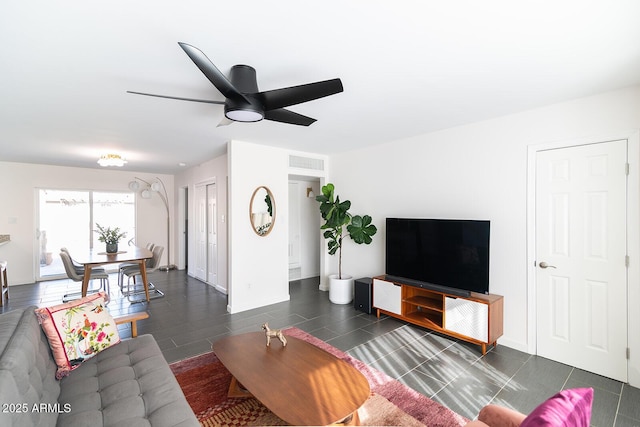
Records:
x=448, y=255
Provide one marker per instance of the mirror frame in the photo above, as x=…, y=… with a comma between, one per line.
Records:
x=273, y=205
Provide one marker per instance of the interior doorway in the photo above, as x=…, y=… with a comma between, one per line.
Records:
x=304, y=228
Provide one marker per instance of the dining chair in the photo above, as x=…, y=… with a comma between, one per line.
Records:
x=122, y=266
x=79, y=267
x=133, y=271
x=74, y=275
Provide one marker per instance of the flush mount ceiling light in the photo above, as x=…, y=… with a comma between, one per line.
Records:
x=111, y=160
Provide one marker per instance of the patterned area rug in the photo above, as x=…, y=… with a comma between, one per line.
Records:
x=205, y=382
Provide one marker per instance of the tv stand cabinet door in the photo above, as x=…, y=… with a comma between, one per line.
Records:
x=387, y=296
x=468, y=318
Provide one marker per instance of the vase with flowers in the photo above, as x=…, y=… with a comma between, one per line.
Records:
x=110, y=237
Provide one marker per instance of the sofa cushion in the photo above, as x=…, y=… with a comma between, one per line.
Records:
x=78, y=330
x=27, y=372
x=571, y=407
x=130, y=384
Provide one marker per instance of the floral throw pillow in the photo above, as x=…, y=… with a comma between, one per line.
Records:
x=78, y=330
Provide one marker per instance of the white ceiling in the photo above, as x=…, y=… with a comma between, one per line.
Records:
x=408, y=67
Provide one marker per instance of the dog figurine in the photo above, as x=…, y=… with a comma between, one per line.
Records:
x=275, y=333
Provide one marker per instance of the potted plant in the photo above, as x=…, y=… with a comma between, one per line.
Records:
x=110, y=236
x=337, y=218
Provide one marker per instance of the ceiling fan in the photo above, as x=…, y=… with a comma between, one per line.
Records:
x=245, y=103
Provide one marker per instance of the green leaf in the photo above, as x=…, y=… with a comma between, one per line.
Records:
x=109, y=235
x=361, y=229
x=327, y=191
x=267, y=200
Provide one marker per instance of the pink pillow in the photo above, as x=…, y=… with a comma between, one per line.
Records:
x=570, y=407
x=78, y=330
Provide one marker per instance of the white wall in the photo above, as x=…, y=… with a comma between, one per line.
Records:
x=478, y=171
x=18, y=185
x=214, y=170
x=258, y=265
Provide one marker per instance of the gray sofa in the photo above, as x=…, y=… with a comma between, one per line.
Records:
x=129, y=384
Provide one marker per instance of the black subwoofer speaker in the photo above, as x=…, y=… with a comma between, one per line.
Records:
x=363, y=298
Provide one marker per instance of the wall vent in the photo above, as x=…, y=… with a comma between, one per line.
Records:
x=306, y=163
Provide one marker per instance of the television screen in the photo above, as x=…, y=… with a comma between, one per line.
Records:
x=442, y=252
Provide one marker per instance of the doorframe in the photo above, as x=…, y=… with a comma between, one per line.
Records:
x=212, y=222
x=183, y=236
x=633, y=240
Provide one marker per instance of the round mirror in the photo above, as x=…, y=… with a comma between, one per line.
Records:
x=262, y=211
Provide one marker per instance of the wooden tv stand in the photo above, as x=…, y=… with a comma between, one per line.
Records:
x=477, y=318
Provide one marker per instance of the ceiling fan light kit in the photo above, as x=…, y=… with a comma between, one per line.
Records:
x=245, y=103
x=243, y=115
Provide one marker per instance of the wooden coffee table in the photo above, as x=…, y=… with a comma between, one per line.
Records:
x=300, y=383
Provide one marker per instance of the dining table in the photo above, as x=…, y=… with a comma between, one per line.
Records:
x=132, y=254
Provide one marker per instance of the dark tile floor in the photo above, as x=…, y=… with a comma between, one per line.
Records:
x=192, y=315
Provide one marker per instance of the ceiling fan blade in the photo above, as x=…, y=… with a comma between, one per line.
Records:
x=211, y=72
x=279, y=98
x=286, y=116
x=224, y=122
x=206, y=101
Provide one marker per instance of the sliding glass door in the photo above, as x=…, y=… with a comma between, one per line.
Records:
x=67, y=218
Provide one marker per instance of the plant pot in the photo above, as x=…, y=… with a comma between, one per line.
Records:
x=340, y=290
x=112, y=248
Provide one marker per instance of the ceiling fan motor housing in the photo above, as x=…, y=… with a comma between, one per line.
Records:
x=243, y=77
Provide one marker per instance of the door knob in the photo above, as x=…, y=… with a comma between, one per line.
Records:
x=545, y=265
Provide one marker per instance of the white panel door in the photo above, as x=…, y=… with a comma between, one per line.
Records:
x=581, y=274
x=212, y=236
x=200, y=270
